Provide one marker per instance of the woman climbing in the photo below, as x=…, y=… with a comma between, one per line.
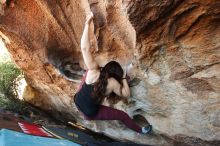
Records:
x=99, y=83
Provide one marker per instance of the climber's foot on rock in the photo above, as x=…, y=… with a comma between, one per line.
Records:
x=147, y=129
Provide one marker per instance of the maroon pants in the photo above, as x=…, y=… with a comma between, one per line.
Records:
x=108, y=113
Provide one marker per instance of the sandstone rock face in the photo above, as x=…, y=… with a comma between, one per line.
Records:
x=174, y=47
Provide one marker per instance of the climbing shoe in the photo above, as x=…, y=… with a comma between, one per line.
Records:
x=147, y=129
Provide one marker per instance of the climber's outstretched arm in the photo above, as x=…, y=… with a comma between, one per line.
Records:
x=85, y=45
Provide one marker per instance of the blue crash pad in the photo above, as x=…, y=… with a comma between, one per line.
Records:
x=12, y=138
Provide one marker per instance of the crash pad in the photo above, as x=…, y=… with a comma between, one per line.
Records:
x=13, y=138
x=33, y=129
x=70, y=134
x=83, y=138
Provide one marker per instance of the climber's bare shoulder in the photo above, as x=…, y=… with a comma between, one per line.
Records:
x=92, y=67
x=92, y=76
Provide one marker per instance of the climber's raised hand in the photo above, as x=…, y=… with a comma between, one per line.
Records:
x=89, y=18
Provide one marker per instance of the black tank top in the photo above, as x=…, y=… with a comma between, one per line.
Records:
x=85, y=102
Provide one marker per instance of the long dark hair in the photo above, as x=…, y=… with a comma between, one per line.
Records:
x=111, y=69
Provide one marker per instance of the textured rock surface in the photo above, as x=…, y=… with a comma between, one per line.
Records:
x=173, y=44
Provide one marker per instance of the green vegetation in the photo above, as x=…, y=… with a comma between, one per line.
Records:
x=8, y=75
x=8, y=97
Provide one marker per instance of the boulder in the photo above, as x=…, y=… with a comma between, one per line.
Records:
x=173, y=46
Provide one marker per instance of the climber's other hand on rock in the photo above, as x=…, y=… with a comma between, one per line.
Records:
x=89, y=18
